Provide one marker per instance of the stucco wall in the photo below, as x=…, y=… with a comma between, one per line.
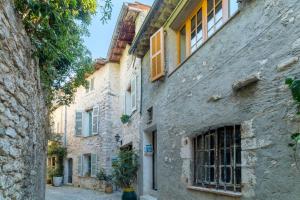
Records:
x=258, y=39
x=22, y=113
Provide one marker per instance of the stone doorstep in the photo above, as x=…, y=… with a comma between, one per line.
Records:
x=147, y=197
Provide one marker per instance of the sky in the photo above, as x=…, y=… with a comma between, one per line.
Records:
x=100, y=34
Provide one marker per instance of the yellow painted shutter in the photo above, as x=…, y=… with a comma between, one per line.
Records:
x=157, y=61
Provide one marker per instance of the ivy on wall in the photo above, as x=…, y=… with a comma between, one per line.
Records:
x=294, y=85
x=56, y=29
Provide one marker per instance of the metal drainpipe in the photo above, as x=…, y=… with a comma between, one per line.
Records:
x=65, y=131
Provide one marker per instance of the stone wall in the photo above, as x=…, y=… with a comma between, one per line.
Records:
x=261, y=41
x=102, y=144
x=22, y=113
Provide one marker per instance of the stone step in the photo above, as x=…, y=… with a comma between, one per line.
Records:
x=147, y=197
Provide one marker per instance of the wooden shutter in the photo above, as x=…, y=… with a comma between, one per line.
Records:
x=78, y=123
x=93, y=165
x=133, y=93
x=157, y=60
x=79, y=165
x=95, y=119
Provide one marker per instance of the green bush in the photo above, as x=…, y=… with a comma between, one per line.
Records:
x=125, y=168
x=125, y=119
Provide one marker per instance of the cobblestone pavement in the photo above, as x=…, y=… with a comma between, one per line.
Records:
x=73, y=193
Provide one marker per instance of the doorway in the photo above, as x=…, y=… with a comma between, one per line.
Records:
x=70, y=170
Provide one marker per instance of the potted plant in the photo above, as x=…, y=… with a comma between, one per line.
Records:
x=57, y=177
x=55, y=172
x=125, y=118
x=102, y=176
x=125, y=173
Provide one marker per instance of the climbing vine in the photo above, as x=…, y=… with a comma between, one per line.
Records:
x=56, y=29
x=294, y=85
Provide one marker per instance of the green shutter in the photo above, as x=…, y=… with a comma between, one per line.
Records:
x=93, y=165
x=95, y=120
x=133, y=93
x=90, y=122
x=79, y=165
x=78, y=123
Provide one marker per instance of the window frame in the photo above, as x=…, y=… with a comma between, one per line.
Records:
x=202, y=161
x=204, y=6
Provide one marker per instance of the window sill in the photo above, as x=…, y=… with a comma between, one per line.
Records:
x=214, y=191
x=206, y=41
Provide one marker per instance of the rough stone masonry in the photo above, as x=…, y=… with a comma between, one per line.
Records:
x=22, y=113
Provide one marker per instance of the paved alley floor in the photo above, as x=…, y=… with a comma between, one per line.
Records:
x=73, y=193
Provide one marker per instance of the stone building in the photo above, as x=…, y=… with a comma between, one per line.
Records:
x=89, y=126
x=23, y=114
x=215, y=107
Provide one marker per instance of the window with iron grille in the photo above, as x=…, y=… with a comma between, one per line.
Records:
x=217, y=159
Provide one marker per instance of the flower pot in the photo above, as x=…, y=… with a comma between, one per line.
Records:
x=57, y=181
x=108, y=189
x=129, y=194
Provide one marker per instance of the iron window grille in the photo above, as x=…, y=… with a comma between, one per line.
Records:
x=217, y=159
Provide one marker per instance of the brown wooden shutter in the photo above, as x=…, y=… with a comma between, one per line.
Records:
x=157, y=61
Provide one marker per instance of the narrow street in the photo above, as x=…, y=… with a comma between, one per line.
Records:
x=73, y=193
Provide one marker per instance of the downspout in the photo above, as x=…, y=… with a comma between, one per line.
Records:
x=141, y=179
x=65, y=128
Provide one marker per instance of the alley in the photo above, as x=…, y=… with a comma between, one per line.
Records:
x=72, y=193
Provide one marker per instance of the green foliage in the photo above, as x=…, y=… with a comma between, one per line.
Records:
x=55, y=149
x=102, y=176
x=125, y=119
x=294, y=85
x=125, y=168
x=55, y=172
x=56, y=29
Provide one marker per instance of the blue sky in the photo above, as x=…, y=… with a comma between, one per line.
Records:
x=100, y=34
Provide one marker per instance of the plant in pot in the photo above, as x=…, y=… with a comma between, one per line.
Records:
x=56, y=150
x=125, y=118
x=125, y=173
x=102, y=176
x=57, y=176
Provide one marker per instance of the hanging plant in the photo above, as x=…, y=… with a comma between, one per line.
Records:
x=294, y=85
x=125, y=118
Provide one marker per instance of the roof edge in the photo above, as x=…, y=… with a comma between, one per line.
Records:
x=144, y=25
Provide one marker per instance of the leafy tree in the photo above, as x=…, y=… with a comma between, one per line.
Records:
x=56, y=29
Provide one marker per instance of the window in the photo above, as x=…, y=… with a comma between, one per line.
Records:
x=217, y=159
x=157, y=55
x=150, y=115
x=196, y=31
x=130, y=97
x=203, y=22
x=53, y=162
x=87, y=123
x=87, y=165
x=91, y=85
